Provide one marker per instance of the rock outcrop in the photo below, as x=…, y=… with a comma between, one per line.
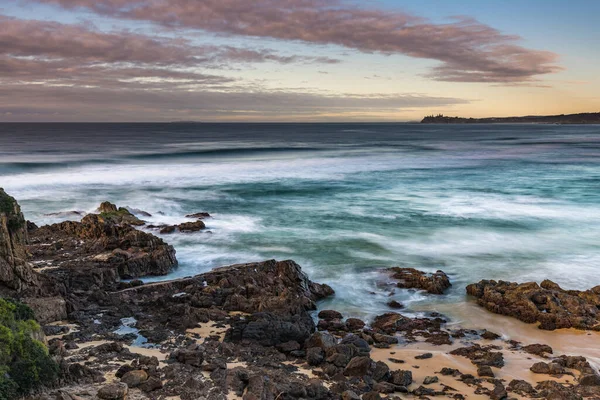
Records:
x=410, y=278
x=99, y=251
x=16, y=274
x=547, y=303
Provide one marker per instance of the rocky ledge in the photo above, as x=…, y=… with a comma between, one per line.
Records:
x=410, y=278
x=546, y=303
x=99, y=251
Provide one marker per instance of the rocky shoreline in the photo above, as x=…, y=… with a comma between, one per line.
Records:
x=254, y=331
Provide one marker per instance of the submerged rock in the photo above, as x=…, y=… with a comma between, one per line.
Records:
x=410, y=278
x=547, y=303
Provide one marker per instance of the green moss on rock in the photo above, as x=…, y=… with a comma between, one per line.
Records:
x=24, y=361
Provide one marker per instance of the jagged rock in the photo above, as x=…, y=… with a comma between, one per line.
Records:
x=490, y=335
x=358, y=366
x=521, y=387
x=410, y=278
x=547, y=368
x=485, y=371
x=330, y=315
x=499, y=392
x=354, y=324
x=430, y=379
x=394, y=304
x=538, y=349
x=120, y=215
x=547, y=303
x=424, y=356
x=16, y=274
x=401, y=378
x=480, y=355
x=99, y=251
x=200, y=215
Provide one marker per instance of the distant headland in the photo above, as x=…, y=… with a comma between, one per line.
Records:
x=582, y=118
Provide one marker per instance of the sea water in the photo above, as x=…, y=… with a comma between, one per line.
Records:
x=511, y=202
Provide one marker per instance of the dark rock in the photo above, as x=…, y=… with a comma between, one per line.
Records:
x=589, y=380
x=485, y=371
x=358, y=366
x=538, y=349
x=481, y=356
x=359, y=342
x=430, y=379
x=521, y=387
x=547, y=303
x=322, y=340
x=401, y=377
x=424, y=356
x=350, y=395
x=394, y=304
x=315, y=356
x=384, y=387
x=330, y=315
x=410, y=278
x=490, y=335
x=371, y=396
x=499, y=392
x=355, y=324
x=200, y=215
x=547, y=368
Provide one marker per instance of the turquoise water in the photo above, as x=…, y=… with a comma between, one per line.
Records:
x=512, y=202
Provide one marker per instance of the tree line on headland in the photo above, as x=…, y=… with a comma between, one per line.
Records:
x=582, y=118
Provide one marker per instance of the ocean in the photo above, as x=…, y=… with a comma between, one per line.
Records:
x=511, y=202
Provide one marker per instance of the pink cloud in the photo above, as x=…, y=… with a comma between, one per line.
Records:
x=468, y=50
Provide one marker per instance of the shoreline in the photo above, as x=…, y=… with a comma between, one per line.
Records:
x=246, y=330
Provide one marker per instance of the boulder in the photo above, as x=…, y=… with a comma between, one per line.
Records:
x=546, y=303
x=135, y=378
x=410, y=278
x=115, y=391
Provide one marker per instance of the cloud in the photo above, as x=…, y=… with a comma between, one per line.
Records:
x=62, y=103
x=32, y=50
x=468, y=50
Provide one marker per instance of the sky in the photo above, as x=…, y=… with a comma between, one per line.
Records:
x=295, y=60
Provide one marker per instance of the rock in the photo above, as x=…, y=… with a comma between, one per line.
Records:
x=330, y=315
x=547, y=368
x=485, y=371
x=322, y=340
x=98, y=252
x=401, y=378
x=192, y=355
x=135, y=378
x=315, y=356
x=449, y=371
x=151, y=384
x=547, y=303
x=422, y=391
x=481, y=356
x=354, y=324
x=200, y=215
x=16, y=274
x=270, y=329
x=381, y=372
x=288, y=347
x=490, y=335
x=499, y=392
x=538, y=349
x=371, y=396
x=358, y=366
x=410, y=278
x=424, y=356
x=350, y=395
x=388, y=323
x=354, y=340
x=47, y=309
x=110, y=212
x=115, y=391
x=384, y=387
x=430, y=379
x=589, y=380
x=521, y=387
x=184, y=227
x=394, y=304
x=554, y=390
